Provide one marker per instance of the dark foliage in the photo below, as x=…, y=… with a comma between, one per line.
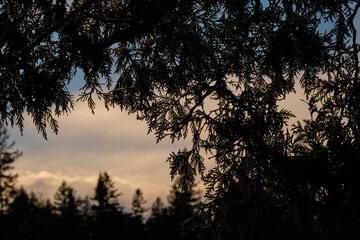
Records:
x=213, y=71
x=106, y=196
x=66, y=208
x=109, y=219
x=8, y=154
x=69, y=217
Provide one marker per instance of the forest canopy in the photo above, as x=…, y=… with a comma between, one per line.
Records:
x=172, y=57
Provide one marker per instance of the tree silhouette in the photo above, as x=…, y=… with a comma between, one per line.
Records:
x=23, y=203
x=30, y=218
x=157, y=224
x=182, y=201
x=181, y=209
x=109, y=218
x=7, y=179
x=65, y=202
x=136, y=224
x=44, y=43
x=67, y=208
x=215, y=72
x=158, y=209
x=106, y=196
x=218, y=76
x=23, y=209
x=137, y=205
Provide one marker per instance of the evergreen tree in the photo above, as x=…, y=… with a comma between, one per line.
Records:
x=44, y=43
x=136, y=224
x=85, y=217
x=137, y=205
x=182, y=201
x=30, y=218
x=157, y=209
x=7, y=179
x=158, y=222
x=65, y=202
x=109, y=221
x=66, y=206
x=22, y=202
x=22, y=210
x=106, y=196
x=218, y=77
x=181, y=209
x=213, y=71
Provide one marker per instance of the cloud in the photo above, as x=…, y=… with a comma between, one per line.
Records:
x=45, y=184
x=109, y=141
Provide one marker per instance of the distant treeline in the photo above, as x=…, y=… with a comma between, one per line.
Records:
x=25, y=216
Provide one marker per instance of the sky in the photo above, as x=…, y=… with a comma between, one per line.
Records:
x=110, y=141
x=88, y=144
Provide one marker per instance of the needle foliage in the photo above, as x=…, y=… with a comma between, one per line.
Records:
x=214, y=72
